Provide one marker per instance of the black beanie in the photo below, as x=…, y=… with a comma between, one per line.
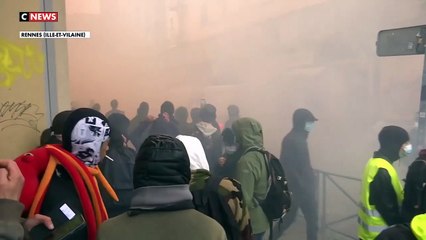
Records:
x=391, y=138
x=59, y=122
x=161, y=160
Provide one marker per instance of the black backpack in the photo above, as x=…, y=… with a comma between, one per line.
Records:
x=278, y=199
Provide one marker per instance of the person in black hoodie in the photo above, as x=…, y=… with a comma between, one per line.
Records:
x=414, y=202
x=209, y=136
x=381, y=190
x=118, y=166
x=301, y=180
x=166, y=123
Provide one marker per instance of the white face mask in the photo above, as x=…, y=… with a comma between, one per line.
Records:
x=309, y=126
x=406, y=150
x=230, y=149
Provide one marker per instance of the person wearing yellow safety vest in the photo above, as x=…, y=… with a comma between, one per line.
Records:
x=381, y=190
x=418, y=226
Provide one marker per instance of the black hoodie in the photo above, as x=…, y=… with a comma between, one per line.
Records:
x=295, y=154
x=382, y=194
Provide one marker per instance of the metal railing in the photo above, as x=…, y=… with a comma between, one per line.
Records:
x=326, y=178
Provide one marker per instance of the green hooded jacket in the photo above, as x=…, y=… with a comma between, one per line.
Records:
x=252, y=170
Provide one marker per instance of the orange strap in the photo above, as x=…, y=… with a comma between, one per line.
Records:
x=96, y=172
x=98, y=205
x=44, y=183
x=92, y=191
x=104, y=182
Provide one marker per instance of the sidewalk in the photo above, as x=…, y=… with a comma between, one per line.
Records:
x=297, y=231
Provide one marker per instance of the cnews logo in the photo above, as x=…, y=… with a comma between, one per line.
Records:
x=38, y=16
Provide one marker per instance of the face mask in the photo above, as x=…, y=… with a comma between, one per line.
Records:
x=309, y=126
x=230, y=149
x=406, y=150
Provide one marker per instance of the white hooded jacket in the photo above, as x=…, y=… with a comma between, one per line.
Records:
x=195, y=150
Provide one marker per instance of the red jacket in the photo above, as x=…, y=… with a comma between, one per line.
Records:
x=38, y=167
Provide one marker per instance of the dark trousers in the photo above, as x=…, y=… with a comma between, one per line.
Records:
x=306, y=200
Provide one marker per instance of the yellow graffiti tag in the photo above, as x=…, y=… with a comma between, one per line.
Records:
x=19, y=61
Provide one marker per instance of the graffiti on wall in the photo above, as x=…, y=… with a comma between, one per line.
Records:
x=13, y=114
x=19, y=62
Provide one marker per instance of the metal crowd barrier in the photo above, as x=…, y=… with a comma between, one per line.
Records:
x=324, y=179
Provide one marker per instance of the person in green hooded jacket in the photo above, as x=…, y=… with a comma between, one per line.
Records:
x=252, y=171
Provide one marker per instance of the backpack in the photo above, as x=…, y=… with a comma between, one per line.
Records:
x=209, y=202
x=278, y=199
x=414, y=202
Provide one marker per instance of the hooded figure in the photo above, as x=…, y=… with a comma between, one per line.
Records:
x=119, y=170
x=381, y=190
x=413, y=206
x=166, y=123
x=252, y=171
x=209, y=192
x=297, y=163
x=161, y=198
x=414, y=202
x=67, y=175
x=209, y=135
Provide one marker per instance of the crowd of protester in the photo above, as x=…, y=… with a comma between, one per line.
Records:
x=99, y=176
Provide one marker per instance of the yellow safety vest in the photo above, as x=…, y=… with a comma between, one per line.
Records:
x=418, y=226
x=370, y=222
